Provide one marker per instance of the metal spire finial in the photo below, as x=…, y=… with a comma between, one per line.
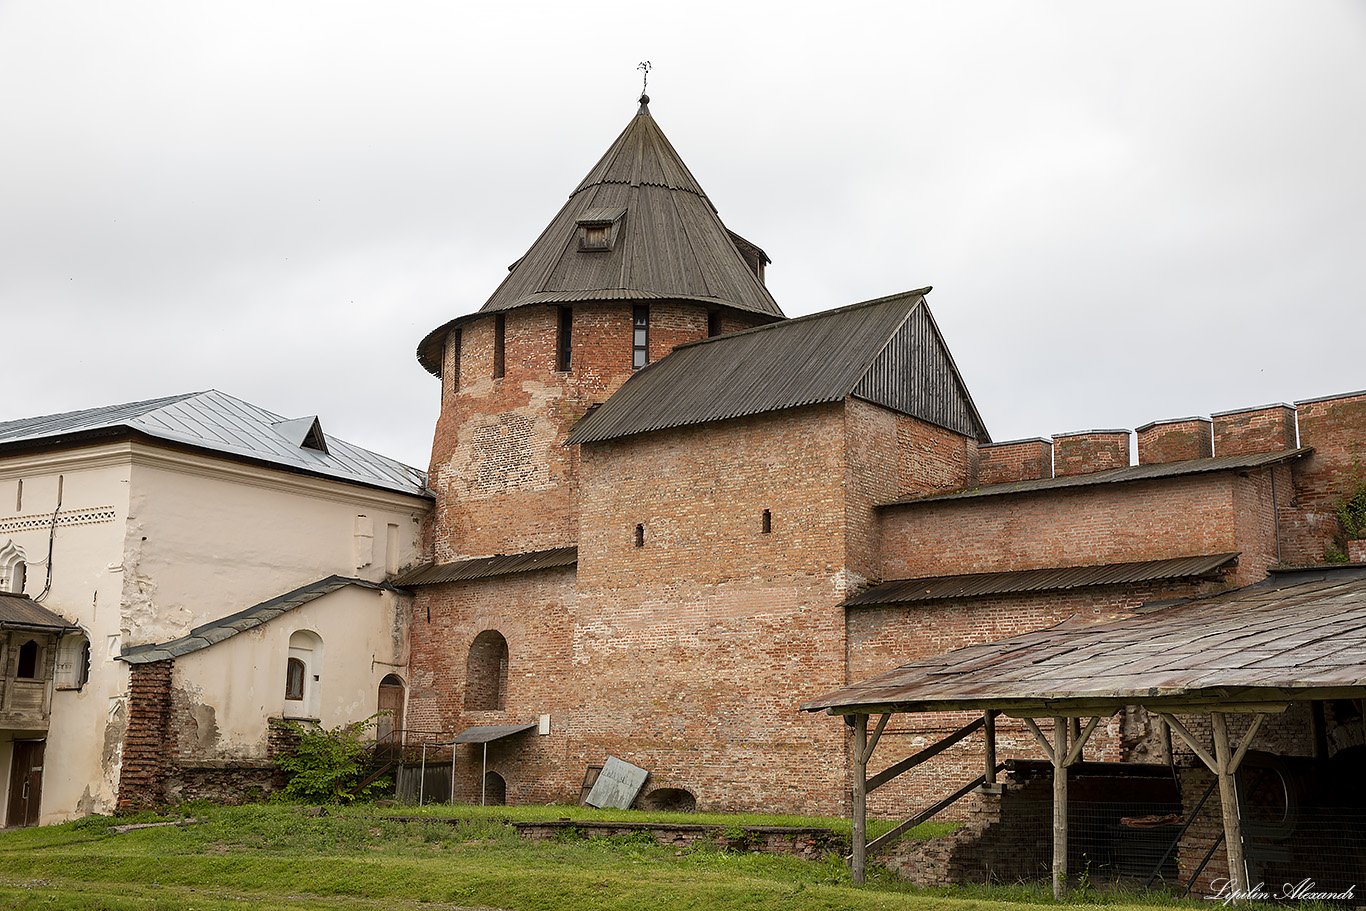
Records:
x=644, y=66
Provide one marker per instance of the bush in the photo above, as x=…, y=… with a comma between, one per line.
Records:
x=328, y=766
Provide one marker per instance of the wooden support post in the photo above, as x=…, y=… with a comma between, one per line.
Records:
x=860, y=837
x=1225, y=769
x=989, y=729
x=1059, y=758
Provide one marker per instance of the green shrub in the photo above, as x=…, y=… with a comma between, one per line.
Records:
x=327, y=766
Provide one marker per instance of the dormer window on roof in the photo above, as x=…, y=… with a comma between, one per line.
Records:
x=598, y=228
x=306, y=433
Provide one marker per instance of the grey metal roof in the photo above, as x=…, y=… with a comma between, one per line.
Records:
x=972, y=585
x=22, y=612
x=483, y=567
x=1294, y=636
x=486, y=733
x=870, y=349
x=668, y=242
x=208, y=634
x=220, y=423
x=1119, y=475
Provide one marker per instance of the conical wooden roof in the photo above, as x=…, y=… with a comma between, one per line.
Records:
x=665, y=239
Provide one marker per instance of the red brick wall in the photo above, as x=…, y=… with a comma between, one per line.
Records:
x=147, y=744
x=1267, y=429
x=534, y=613
x=1105, y=523
x=506, y=482
x=1092, y=450
x=1175, y=441
x=1017, y=460
x=695, y=649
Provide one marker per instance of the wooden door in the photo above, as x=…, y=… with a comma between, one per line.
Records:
x=387, y=732
x=26, y=783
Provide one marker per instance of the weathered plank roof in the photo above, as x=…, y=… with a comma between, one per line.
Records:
x=666, y=242
x=887, y=351
x=220, y=423
x=972, y=585
x=22, y=612
x=1297, y=635
x=483, y=567
x=208, y=634
x=487, y=733
x=1118, y=475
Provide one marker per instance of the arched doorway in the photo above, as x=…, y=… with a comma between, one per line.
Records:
x=495, y=792
x=389, y=726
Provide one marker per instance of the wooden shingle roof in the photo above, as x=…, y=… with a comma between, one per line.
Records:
x=1298, y=635
x=664, y=242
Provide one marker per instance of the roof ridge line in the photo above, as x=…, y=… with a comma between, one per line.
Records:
x=809, y=317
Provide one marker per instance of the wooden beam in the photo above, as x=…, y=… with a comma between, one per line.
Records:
x=872, y=741
x=1059, y=808
x=1247, y=742
x=860, y=834
x=1038, y=735
x=1075, y=753
x=925, y=814
x=916, y=759
x=1228, y=799
x=989, y=746
x=1190, y=740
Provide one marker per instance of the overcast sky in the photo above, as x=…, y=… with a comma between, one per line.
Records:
x=1128, y=211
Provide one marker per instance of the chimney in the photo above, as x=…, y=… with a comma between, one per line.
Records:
x=1088, y=451
x=1175, y=440
x=1015, y=460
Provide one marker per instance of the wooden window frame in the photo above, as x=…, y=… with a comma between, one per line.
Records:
x=640, y=336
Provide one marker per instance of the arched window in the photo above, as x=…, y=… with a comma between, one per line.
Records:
x=73, y=662
x=486, y=672
x=13, y=569
x=304, y=675
x=27, y=668
x=294, y=680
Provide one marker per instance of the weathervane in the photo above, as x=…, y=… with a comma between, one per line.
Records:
x=644, y=66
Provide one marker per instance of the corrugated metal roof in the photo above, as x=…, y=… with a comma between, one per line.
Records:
x=483, y=567
x=208, y=634
x=219, y=422
x=1292, y=634
x=972, y=585
x=1119, y=475
x=668, y=244
x=487, y=733
x=23, y=612
x=807, y=361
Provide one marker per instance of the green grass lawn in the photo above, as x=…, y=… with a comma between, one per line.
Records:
x=274, y=856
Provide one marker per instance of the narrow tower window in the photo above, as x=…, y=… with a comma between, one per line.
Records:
x=713, y=323
x=767, y=522
x=640, y=341
x=499, y=332
x=453, y=361
x=640, y=536
x=564, y=340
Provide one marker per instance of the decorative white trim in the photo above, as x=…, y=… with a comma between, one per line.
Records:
x=41, y=521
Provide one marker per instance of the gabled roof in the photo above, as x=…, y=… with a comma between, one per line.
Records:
x=22, y=612
x=887, y=351
x=208, y=634
x=1061, y=578
x=666, y=241
x=1118, y=475
x=1295, y=636
x=219, y=423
